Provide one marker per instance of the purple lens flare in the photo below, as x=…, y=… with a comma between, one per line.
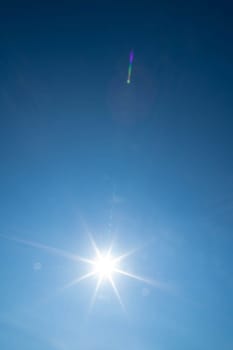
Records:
x=131, y=56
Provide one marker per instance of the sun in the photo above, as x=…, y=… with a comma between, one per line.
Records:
x=104, y=266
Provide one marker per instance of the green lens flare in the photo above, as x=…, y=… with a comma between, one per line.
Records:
x=131, y=57
x=129, y=73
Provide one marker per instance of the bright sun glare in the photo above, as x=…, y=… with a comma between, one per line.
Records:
x=104, y=266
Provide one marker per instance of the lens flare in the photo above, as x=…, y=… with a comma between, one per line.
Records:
x=131, y=57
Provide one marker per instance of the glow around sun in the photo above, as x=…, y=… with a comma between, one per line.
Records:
x=104, y=266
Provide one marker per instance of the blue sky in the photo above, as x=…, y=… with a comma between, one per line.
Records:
x=149, y=164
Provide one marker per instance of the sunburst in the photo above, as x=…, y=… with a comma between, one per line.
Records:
x=104, y=266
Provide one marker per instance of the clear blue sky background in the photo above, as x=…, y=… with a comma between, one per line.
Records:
x=150, y=163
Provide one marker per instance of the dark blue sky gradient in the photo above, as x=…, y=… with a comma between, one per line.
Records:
x=150, y=163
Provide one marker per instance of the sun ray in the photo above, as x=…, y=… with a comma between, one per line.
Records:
x=94, y=245
x=122, y=257
x=77, y=280
x=138, y=278
x=95, y=293
x=116, y=292
x=109, y=251
x=52, y=250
